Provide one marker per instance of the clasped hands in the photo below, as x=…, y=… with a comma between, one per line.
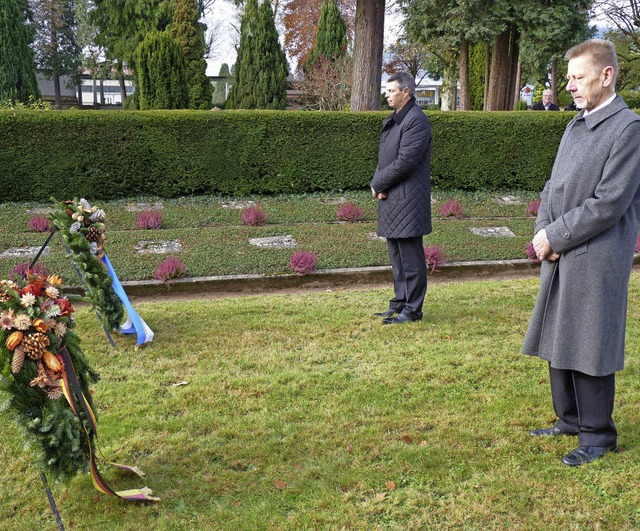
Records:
x=542, y=247
x=378, y=195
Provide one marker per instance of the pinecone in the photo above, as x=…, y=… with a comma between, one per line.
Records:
x=94, y=235
x=35, y=345
x=18, y=360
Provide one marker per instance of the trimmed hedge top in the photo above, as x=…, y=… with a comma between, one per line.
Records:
x=104, y=155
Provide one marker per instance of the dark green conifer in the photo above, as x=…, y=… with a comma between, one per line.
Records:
x=160, y=70
x=331, y=39
x=188, y=32
x=17, y=67
x=260, y=80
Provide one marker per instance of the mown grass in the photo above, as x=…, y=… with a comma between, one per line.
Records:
x=310, y=390
x=215, y=243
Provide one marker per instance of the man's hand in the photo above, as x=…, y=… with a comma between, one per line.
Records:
x=543, y=248
x=378, y=195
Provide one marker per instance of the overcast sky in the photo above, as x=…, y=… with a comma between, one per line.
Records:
x=225, y=15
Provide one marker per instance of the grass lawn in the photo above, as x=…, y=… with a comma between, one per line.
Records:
x=303, y=412
x=215, y=243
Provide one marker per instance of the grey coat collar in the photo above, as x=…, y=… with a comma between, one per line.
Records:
x=595, y=118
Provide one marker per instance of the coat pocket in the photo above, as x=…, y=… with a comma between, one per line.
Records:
x=581, y=249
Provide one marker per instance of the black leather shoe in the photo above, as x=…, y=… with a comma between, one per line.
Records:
x=401, y=318
x=585, y=454
x=553, y=431
x=387, y=313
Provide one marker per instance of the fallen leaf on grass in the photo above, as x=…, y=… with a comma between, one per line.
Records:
x=235, y=504
x=279, y=484
x=407, y=439
x=391, y=485
x=178, y=384
x=381, y=496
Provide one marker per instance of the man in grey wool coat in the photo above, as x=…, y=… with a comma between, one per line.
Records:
x=401, y=185
x=585, y=235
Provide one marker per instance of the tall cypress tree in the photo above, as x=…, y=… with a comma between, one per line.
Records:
x=17, y=67
x=187, y=31
x=331, y=39
x=160, y=69
x=260, y=80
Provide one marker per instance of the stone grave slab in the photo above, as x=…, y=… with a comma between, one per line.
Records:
x=158, y=247
x=374, y=236
x=238, y=205
x=23, y=252
x=274, y=242
x=500, y=232
x=143, y=207
x=509, y=200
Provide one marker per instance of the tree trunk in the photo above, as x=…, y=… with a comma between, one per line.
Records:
x=516, y=99
x=101, y=91
x=449, y=82
x=514, y=56
x=79, y=98
x=487, y=70
x=123, y=87
x=56, y=90
x=504, y=65
x=554, y=79
x=465, y=89
x=367, y=55
x=95, y=93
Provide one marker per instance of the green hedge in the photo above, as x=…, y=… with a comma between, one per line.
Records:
x=631, y=97
x=103, y=155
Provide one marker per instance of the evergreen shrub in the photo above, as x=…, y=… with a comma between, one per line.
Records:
x=104, y=155
x=631, y=98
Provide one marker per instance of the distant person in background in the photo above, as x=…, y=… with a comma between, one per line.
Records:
x=547, y=102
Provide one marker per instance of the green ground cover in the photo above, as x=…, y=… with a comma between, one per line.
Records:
x=303, y=412
x=215, y=243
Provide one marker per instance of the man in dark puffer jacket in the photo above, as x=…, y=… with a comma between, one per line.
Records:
x=401, y=185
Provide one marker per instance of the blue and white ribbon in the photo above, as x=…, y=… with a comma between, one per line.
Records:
x=134, y=323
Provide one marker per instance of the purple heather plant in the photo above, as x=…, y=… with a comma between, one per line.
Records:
x=39, y=223
x=533, y=207
x=303, y=262
x=149, y=219
x=451, y=209
x=434, y=257
x=531, y=252
x=21, y=268
x=350, y=212
x=170, y=269
x=254, y=216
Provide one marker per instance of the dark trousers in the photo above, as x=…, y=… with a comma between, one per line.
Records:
x=409, y=275
x=584, y=405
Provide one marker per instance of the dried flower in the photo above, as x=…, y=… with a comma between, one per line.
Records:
x=60, y=329
x=451, y=209
x=39, y=223
x=531, y=252
x=27, y=300
x=54, y=280
x=169, y=269
x=434, y=257
x=65, y=306
x=350, y=212
x=7, y=319
x=303, y=262
x=84, y=205
x=98, y=215
x=52, y=292
x=149, y=219
x=533, y=207
x=75, y=227
x=21, y=270
x=22, y=322
x=254, y=216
